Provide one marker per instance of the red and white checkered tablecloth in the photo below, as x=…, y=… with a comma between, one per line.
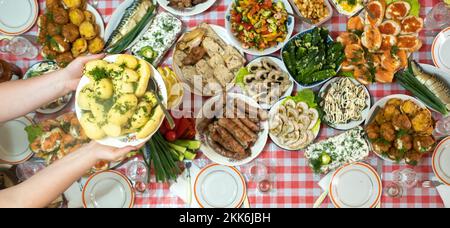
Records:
x=295, y=185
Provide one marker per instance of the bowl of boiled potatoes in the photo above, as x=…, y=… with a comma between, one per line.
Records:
x=113, y=104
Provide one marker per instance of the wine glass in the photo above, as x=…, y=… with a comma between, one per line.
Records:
x=20, y=47
x=442, y=128
x=259, y=173
x=406, y=177
x=437, y=18
x=137, y=173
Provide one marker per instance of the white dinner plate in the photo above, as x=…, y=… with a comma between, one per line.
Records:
x=252, y=51
x=274, y=111
x=222, y=33
x=108, y=189
x=198, y=9
x=381, y=103
x=440, y=50
x=281, y=65
x=257, y=148
x=14, y=142
x=18, y=16
x=355, y=185
x=441, y=161
x=218, y=186
x=129, y=139
x=365, y=112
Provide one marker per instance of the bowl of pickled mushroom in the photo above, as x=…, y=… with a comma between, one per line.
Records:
x=113, y=103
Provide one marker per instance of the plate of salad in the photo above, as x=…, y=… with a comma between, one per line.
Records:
x=259, y=27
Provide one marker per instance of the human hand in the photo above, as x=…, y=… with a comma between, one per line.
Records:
x=74, y=71
x=110, y=154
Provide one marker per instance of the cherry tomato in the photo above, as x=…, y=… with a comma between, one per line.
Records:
x=171, y=136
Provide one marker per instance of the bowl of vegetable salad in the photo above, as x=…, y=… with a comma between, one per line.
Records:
x=259, y=27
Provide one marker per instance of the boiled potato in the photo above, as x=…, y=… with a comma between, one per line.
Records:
x=76, y=16
x=103, y=89
x=86, y=97
x=112, y=130
x=79, y=47
x=125, y=87
x=98, y=111
x=145, y=74
x=152, y=125
x=130, y=75
x=92, y=65
x=88, y=16
x=88, y=30
x=142, y=115
x=96, y=45
x=123, y=109
x=72, y=3
x=128, y=61
x=90, y=127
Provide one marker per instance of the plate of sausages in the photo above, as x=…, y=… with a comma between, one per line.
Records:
x=233, y=129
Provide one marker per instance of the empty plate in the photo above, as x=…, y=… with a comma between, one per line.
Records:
x=218, y=186
x=14, y=143
x=355, y=186
x=440, y=50
x=17, y=16
x=108, y=189
x=441, y=161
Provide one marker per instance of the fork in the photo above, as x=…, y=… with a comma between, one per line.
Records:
x=188, y=166
x=431, y=184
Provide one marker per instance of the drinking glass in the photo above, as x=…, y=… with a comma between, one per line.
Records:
x=394, y=190
x=406, y=177
x=20, y=47
x=437, y=18
x=259, y=173
x=137, y=173
x=442, y=128
x=28, y=169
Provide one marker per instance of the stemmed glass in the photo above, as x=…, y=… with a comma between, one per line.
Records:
x=137, y=173
x=437, y=18
x=259, y=172
x=402, y=180
x=19, y=46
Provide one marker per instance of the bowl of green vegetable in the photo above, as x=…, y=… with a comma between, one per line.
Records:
x=312, y=57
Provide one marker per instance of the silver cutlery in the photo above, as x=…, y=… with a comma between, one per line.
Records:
x=155, y=88
x=431, y=184
x=188, y=166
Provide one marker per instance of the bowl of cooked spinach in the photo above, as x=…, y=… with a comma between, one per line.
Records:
x=312, y=57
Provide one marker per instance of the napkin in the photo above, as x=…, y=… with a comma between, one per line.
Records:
x=444, y=192
x=180, y=187
x=74, y=194
x=326, y=181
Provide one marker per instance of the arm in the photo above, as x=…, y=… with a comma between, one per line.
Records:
x=44, y=187
x=36, y=92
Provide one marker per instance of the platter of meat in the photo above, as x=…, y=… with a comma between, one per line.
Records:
x=233, y=129
x=186, y=8
x=205, y=61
